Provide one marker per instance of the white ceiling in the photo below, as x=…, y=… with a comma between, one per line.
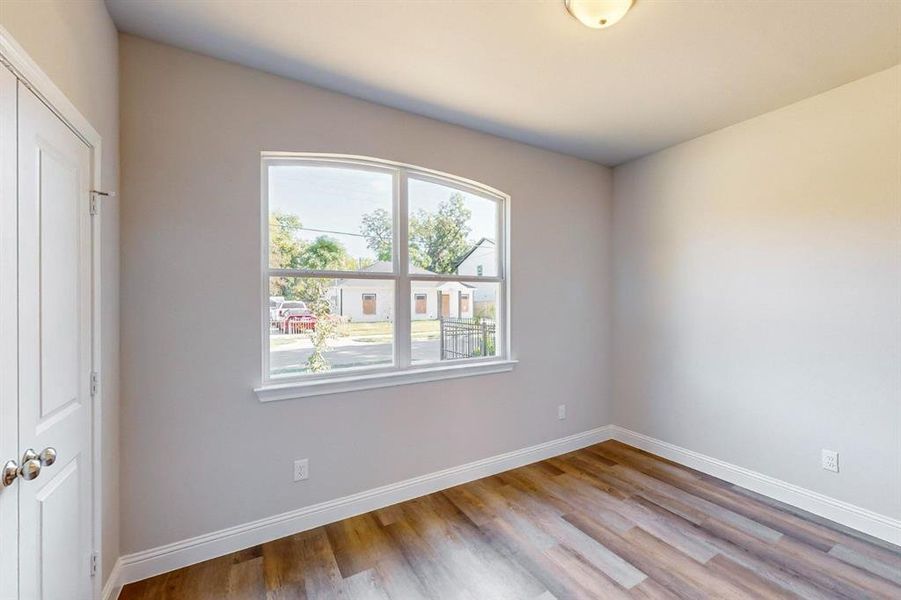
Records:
x=526, y=70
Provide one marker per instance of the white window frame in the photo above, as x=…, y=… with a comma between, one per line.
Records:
x=401, y=371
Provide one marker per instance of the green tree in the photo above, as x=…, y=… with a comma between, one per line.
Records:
x=285, y=252
x=326, y=325
x=437, y=239
x=325, y=253
x=377, y=229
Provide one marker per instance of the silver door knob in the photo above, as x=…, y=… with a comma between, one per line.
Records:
x=10, y=472
x=31, y=466
x=30, y=469
x=47, y=456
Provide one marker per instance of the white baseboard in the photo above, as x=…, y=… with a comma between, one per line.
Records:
x=113, y=586
x=861, y=519
x=141, y=565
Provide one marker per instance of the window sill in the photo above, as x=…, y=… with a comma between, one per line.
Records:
x=353, y=383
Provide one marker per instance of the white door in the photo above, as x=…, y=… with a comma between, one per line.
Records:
x=9, y=347
x=54, y=338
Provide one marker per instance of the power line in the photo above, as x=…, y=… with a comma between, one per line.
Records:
x=327, y=231
x=330, y=231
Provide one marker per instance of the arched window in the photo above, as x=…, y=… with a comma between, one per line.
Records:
x=375, y=270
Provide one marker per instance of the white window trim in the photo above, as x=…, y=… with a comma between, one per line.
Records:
x=401, y=372
x=369, y=381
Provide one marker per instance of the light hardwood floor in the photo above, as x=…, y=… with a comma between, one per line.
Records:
x=608, y=521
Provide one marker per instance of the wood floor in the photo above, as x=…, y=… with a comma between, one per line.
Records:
x=608, y=521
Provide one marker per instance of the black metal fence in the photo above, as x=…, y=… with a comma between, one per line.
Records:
x=467, y=338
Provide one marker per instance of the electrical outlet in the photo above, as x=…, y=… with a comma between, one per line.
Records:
x=561, y=412
x=830, y=460
x=301, y=469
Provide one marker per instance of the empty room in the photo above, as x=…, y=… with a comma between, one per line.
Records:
x=450, y=299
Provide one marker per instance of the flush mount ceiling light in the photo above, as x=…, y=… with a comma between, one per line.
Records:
x=598, y=14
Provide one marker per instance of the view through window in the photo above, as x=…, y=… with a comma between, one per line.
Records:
x=349, y=289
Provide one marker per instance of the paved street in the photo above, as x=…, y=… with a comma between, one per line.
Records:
x=351, y=354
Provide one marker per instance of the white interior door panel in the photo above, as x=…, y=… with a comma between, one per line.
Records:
x=9, y=347
x=54, y=315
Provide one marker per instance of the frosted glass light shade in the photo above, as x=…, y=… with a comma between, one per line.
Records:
x=598, y=14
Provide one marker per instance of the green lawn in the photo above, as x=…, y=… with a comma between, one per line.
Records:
x=371, y=332
x=420, y=329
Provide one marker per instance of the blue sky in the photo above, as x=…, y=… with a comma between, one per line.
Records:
x=334, y=200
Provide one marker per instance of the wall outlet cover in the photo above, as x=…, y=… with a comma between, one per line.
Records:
x=830, y=460
x=301, y=469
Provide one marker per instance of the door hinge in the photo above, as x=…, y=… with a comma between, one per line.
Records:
x=95, y=382
x=94, y=560
x=95, y=200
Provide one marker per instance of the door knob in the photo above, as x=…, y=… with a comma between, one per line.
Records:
x=31, y=466
x=30, y=469
x=47, y=456
x=10, y=472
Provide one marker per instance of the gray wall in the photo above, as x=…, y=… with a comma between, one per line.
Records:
x=200, y=452
x=76, y=44
x=758, y=293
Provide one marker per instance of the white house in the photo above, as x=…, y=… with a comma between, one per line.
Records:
x=371, y=300
x=481, y=260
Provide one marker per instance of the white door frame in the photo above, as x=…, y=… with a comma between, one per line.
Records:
x=14, y=57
